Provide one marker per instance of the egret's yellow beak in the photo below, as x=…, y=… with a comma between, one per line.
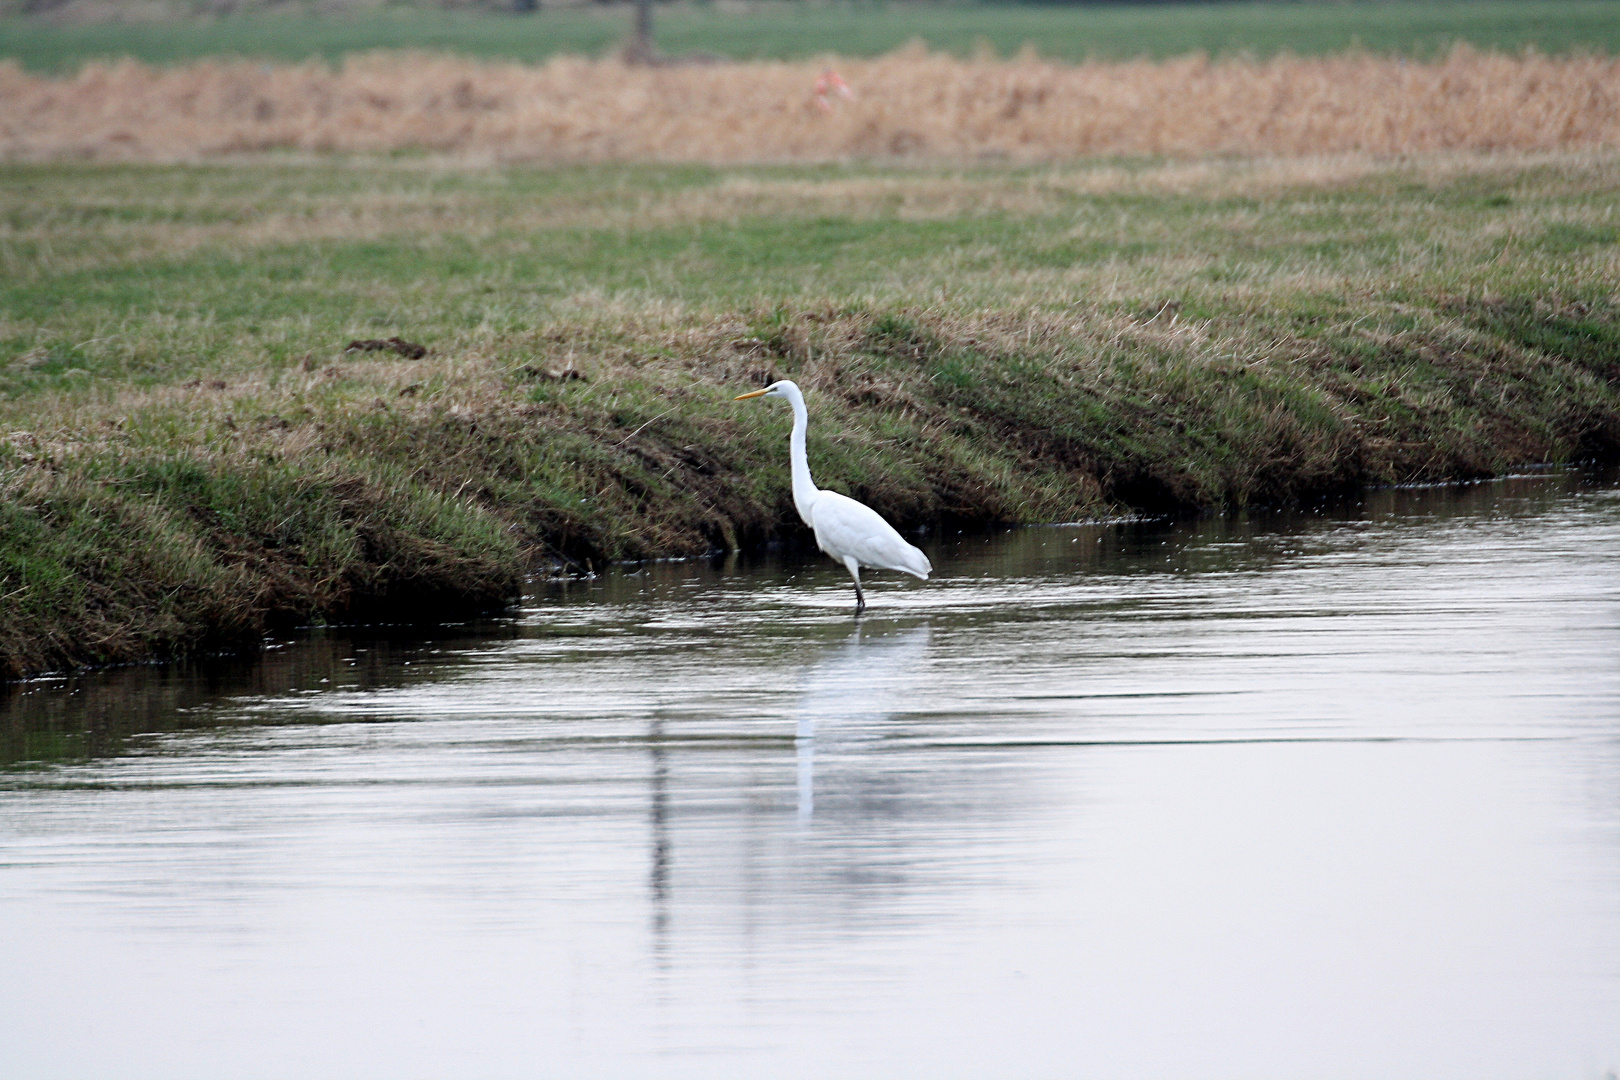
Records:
x=756, y=393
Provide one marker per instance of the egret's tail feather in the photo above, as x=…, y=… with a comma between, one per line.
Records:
x=917, y=564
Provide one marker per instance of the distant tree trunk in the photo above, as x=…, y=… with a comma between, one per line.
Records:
x=644, y=26
x=640, y=49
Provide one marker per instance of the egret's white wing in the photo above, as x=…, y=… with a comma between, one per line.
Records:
x=845, y=527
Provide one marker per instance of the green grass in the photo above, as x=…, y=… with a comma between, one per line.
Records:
x=793, y=30
x=189, y=458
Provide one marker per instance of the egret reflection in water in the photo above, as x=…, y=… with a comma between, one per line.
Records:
x=848, y=694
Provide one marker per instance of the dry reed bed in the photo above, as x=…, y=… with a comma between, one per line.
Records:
x=908, y=104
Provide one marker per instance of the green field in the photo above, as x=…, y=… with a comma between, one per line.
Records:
x=189, y=457
x=792, y=30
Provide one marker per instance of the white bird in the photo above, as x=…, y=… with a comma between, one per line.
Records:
x=849, y=531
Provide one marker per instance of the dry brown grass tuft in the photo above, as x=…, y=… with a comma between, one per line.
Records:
x=908, y=104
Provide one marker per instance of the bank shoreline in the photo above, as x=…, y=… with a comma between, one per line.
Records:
x=181, y=523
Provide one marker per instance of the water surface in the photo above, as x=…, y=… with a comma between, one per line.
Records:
x=1327, y=795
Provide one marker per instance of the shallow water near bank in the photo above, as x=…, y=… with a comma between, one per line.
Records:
x=1327, y=794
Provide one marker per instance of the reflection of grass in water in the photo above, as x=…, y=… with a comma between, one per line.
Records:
x=803, y=30
x=188, y=455
x=97, y=714
x=25, y=749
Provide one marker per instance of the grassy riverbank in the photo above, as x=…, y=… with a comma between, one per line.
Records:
x=796, y=31
x=189, y=457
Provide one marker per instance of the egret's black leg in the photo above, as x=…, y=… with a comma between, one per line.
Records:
x=854, y=568
x=860, y=600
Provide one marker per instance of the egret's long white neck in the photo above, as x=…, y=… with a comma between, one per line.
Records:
x=804, y=489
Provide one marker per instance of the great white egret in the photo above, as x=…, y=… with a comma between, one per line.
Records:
x=849, y=531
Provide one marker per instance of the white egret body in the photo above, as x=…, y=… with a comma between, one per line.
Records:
x=849, y=531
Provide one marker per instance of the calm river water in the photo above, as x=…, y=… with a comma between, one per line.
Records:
x=1315, y=795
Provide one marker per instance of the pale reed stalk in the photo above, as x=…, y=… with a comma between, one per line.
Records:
x=910, y=104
